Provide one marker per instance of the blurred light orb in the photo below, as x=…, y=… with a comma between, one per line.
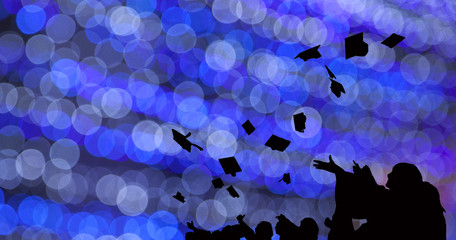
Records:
x=116, y=103
x=65, y=149
x=211, y=214
x=147, y=135
x=39, y=49
x=180, y=38
x=30, y=164
x=30, y=19
x=124, y=21
x=11, y=46
x=8, y=219
x=86, y=119
x=108, y=188
x=220, y=55
x=196, y=179
x=132, y=200
x=60, y=28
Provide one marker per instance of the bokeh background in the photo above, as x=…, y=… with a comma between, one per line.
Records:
x=90, y=90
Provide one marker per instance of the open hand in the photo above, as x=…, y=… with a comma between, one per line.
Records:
x=356, y=168
x=330, y=166
x=190, y=225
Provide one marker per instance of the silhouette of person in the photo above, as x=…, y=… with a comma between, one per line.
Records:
x=285, y=228
x=308, y=230
x=263, y=230
x=408, y=208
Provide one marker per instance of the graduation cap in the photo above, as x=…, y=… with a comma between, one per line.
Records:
x=248, y=127
x=232, y=191
x=277, y=143
x=336, y=88
x=179, y=197
x=218, y=183
x=300, y=122
x=331, y=75
x=286, y=178
x=230, y=165
x=355, y=46
x=183, y=142
x=393, y=40
x=309, y=53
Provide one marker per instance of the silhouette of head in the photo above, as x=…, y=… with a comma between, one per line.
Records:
x=404, y=176
x=309, y=229
x=264, y=230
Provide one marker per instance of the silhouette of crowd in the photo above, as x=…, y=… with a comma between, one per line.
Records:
x=307, y=230
x=408, y=208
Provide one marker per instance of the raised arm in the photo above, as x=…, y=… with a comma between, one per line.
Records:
x=330, y=166
x=246, y=231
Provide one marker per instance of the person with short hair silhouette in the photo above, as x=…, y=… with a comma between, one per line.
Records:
x=285, y=228
x=408, y=208
x=263, y=230
x=308, y=229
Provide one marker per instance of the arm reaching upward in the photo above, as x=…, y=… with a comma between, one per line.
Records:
x=246, y=231
x=330, y=166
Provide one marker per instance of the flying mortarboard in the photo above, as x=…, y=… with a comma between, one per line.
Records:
x=309, y=53
x=230, y=165
x=232, y=191
x=248, y=127
x=183, y=142
x=355, y=46
x=336, y=88
x=277, y=143
x=300, y=122
x=393, y=40
x=286, y=178
x=179, y=197
x=218, y=183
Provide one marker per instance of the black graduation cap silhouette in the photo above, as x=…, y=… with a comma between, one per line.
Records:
x=248, y=127
x=230, y=165
x=232, y=191
x=179, y=197
x=286, y=178
x=393, y=40
x=355, y=46
x=277, y=143
x=218, y=183
x=300, y=122
x=309, y=53
x=335, y=87
x=183, y=142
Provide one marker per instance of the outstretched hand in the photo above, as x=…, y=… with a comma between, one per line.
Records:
x=190, y=225
x=356, y=168
x=330, y=166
